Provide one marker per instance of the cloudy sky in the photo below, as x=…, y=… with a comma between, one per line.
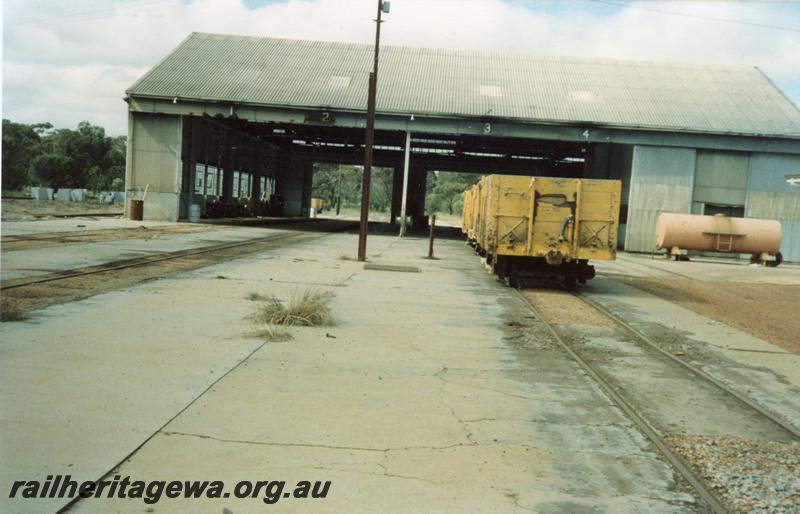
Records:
x=65, y=62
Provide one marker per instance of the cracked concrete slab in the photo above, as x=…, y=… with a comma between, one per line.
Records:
x=437, y=392
x=85, y=383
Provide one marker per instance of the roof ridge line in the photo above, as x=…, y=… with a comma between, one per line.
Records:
x=552, y=57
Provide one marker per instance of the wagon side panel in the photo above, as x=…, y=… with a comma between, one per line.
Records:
x=598, y=219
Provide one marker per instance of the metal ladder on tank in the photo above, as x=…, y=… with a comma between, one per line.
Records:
x=724, y=241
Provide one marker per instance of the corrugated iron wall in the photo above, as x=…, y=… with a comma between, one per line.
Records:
x=155, y=163
x=770, y=196
x=720, y=179
x=684, y=180
x=155, y=154
x=661, y=181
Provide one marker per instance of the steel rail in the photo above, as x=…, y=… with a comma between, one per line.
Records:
x=80, y=215
x=629, y=411
x=775, y=418
x=74, y=237
x=143, y=261
x=68, y=234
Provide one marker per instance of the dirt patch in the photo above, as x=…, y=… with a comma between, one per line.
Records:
x=562, y=308
x=767, y=311
x=15, y=209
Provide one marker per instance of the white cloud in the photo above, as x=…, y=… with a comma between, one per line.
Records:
x=69, y=61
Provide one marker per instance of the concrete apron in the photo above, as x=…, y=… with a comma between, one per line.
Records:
x=437, y=392
x=707, y=270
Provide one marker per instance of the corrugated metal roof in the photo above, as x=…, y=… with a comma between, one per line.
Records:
x=318, y=74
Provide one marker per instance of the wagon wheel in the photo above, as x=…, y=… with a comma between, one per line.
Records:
x=500, y=267
x=777, y=262
x=512, y=278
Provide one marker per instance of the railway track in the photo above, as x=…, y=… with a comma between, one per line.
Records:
x=775, y=418
x=35, y=292
x=54, y=239
x=626, y=400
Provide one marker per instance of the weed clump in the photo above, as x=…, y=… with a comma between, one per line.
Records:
x=273, y=334
x=309, y=308
x=11, y=310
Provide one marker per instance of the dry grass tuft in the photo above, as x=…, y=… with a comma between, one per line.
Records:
x=257, y=297
x=11, y=310
x=310, y=308
x=273, y=334
x=345, y=257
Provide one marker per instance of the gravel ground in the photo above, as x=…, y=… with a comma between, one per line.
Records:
x=561, y=308
x=748, y=476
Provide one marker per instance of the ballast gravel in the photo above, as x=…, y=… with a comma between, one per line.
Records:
x=747, y=476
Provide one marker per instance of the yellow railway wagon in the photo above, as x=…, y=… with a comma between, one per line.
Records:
x=529, y=226
x=469, y=212
x=317, y=204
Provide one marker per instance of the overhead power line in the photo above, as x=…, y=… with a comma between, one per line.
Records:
x=85, y=15
x=697, y=16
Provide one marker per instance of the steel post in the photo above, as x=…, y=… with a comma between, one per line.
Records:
x=431, y=237
x=405, y=185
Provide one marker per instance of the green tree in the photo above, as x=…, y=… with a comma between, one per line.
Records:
x=21, y=144
x=334, y=182
x=445, y=191
x=80, y=158
x=52, y=169
x=115, y=157
x=380, y=194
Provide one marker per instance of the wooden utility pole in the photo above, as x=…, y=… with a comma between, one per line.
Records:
x=368, y=141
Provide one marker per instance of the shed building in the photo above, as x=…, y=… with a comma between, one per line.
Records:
x=234, y=124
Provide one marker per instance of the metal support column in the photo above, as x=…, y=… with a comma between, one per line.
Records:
x=405, y=184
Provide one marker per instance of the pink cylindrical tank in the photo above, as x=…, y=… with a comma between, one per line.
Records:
x=718, y=233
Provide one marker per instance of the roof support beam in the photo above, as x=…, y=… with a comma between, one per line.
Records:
x=576, y=133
